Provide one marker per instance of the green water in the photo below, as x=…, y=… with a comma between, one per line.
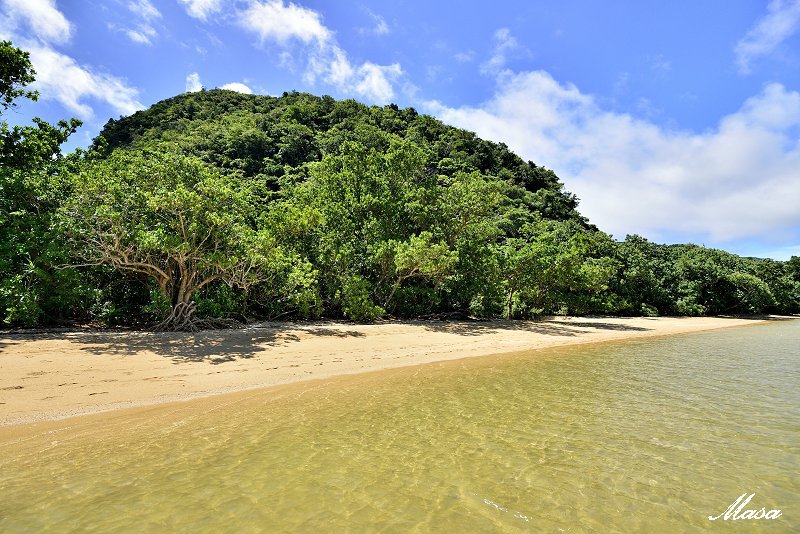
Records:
x=641, y=436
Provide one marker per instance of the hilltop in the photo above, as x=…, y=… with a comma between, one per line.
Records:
x=275, y=138
x=220, y=205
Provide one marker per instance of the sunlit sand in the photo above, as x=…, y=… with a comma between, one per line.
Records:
x=57, y=375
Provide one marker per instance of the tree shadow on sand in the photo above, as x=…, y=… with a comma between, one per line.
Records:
x=211, y=346
x=6, y=342
x=9, y=338
x=548, y=327
x=221, y=346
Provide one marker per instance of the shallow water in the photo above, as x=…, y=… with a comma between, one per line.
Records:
x=647, y=435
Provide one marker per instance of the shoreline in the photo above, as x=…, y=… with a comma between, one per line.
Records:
x=57, y=375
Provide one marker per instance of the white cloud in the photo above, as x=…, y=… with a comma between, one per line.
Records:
x=380, y=27
x=375, y=81
x=740, y=179
x=35, y=25
x=504, y=42
x=193, y=85
x=142, y=34
x=289, y=25
x=201, y=9
x=781, y=21
x=238, y=87
x=193, y=82
x=60, y=77
x=338, y=68
x=622, y=83
x=274, y=21
x=465, y=57
x=144, y=9
x=43, y=18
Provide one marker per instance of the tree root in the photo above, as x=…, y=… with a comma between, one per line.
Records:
x=182, y=319
x=449, y=316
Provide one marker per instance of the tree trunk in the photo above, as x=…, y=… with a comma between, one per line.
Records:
x=179, y=290
x=181, y=318
x=510, y=304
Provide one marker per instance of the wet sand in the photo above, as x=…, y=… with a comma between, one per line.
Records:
x=45, y=376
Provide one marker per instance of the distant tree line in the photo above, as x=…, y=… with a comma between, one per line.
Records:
x=215, y=206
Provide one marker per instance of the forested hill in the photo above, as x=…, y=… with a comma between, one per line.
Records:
x=269, y=138
x=218, y=206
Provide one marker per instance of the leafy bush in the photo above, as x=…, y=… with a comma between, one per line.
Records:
x=356, y=302
x=649, y=311
x=219, y=301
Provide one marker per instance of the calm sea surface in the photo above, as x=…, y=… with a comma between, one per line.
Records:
x=641, y=436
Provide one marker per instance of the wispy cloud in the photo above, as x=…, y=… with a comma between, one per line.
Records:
x=379, y=27
x=42, y=18
x=143, y=32
x=38, y=26
x=60, y=77
x=780, y=22
x=660, y=66
x=144, y=9
x=504, y=43
x=193, y=82
x=740, y=179
x=375, y=81
x=300, y=31
x=202, y=9
x=465, y=57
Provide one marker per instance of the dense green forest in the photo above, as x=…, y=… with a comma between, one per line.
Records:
x=218, y=206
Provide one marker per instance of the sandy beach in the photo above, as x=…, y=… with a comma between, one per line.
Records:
x=45, y=376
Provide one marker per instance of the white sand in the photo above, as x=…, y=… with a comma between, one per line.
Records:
x=57, y=375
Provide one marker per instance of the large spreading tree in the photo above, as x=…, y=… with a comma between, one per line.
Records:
x=169, y=217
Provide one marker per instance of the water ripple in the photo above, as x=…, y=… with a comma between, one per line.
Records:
x=639, y=436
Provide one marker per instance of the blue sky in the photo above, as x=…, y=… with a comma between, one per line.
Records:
x=678, y=121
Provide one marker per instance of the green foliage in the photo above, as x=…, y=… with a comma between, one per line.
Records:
x=266, y=138
x=167, y=217
x=33, y=288
x=555, y=266
x=649, y=311
x=16, y=72
x=238, y=206
x=750, y=293
x=219, y=300
x=783, y=280
x=689, y=306
x=692, y=280
x=292, y=288
x=645, y=282
x=718, y=282
x=118, y=300
x=356, y=302
x=159, y=304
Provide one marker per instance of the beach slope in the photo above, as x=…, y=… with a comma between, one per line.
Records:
x=61, y=374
